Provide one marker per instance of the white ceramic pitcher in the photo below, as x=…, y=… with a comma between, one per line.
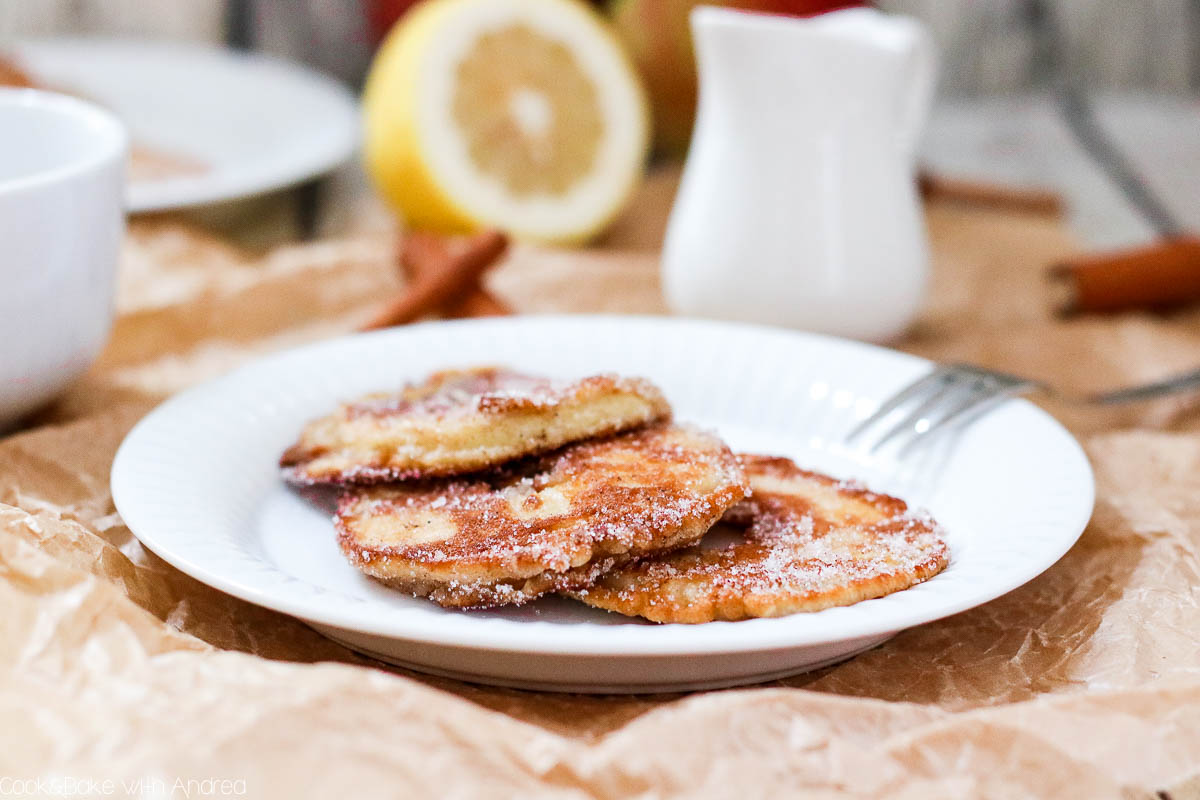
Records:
x=798, y=205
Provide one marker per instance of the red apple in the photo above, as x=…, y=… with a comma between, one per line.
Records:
x=382, y=15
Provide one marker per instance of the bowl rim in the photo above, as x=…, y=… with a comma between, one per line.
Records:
x=108, y=139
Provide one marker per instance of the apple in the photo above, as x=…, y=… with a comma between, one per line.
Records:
x=659, y=40
x=382, y=15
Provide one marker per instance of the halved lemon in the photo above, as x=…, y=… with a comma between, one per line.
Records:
x=524, y=115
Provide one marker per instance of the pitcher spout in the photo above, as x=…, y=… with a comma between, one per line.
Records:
x=854, y=64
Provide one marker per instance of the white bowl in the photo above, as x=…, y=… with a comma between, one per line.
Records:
x=62, y=173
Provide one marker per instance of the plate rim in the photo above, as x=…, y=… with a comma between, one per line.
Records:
x=743, y=636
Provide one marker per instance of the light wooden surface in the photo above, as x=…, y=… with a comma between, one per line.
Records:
x=1022, y=140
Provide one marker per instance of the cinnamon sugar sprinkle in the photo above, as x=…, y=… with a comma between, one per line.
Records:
x=462, y=421
x=809, y=542
x=642, y=492
x=462, y=391
x=484, y=389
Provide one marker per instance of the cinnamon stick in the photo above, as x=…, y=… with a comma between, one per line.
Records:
x=990, y=195
x=441, y=287
x=425, y=253
x=11, y=74
x=422, y=253
x=1160, y=276
x=480, y=303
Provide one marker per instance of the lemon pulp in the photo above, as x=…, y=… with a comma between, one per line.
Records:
x=518, y=114
x=529, y=113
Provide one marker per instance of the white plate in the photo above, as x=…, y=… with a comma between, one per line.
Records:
x=197, y=482
x=255, y=122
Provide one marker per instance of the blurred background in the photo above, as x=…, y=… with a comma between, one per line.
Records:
x=996, y=119
x=988, y=47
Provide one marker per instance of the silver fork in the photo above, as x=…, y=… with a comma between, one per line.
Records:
x=954, y=394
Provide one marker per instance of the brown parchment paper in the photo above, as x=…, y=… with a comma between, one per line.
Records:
x=116, y=667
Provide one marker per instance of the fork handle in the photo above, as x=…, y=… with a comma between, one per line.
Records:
x=1173, y=385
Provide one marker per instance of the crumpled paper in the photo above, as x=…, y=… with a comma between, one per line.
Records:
x=118, y=668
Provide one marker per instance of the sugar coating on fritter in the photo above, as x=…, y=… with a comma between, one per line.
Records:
x=810, y=542
x=460, y=421
x=550, y=524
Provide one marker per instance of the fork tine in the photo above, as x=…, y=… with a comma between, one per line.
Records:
x=952, y=386
x=930, y=382
x=983, y=396
x=976, y=396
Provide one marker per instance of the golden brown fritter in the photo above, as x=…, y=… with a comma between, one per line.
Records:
x=810, y=542
x=553, y=523
x=460, y=421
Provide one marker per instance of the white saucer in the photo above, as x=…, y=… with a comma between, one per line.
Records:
x=197, y=482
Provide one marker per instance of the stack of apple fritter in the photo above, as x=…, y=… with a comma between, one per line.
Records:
x=486, y=487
